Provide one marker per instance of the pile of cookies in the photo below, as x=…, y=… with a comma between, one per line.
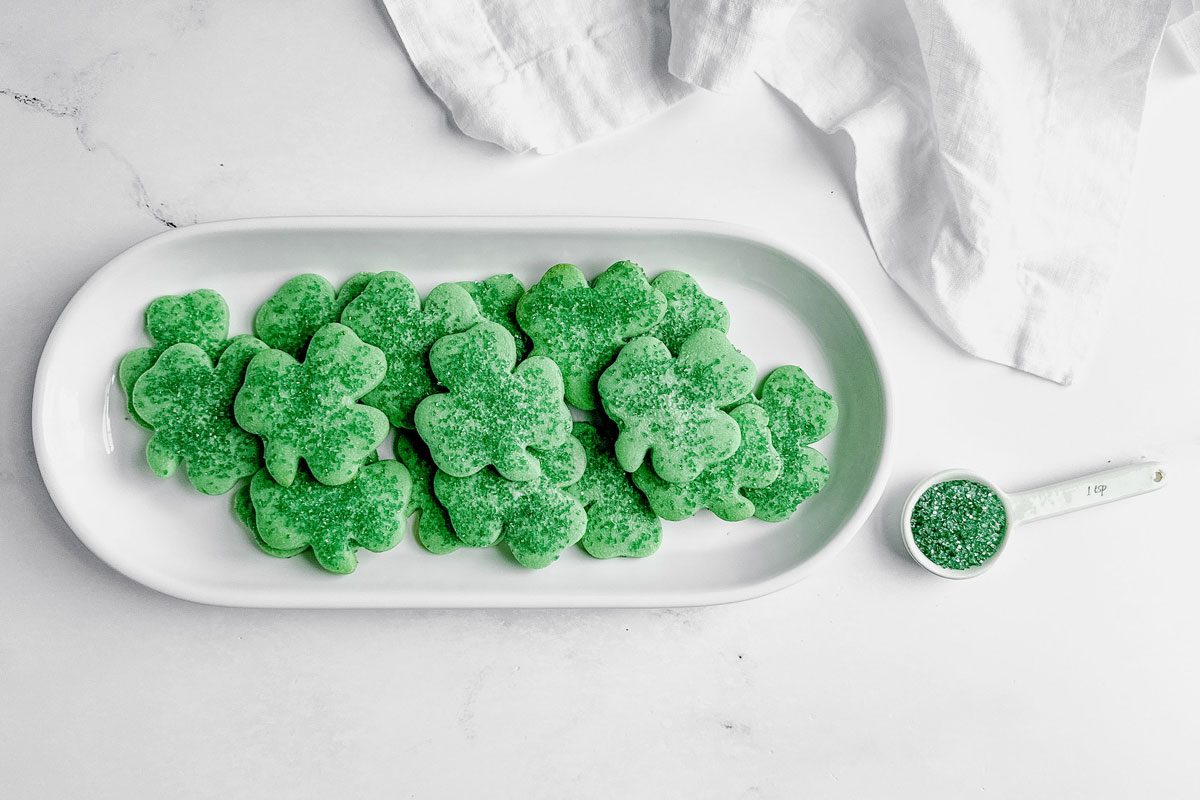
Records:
x=483, y=382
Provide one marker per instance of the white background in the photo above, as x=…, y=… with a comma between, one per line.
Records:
x=1068, y=671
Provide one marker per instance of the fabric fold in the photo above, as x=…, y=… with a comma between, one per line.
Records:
x=539, y=74
x=1187, y=33
x=994, y=151
x=718, y=44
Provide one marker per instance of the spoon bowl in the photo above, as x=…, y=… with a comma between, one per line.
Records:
x=910, y=542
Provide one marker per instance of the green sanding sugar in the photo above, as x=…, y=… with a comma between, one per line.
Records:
x=959, y=524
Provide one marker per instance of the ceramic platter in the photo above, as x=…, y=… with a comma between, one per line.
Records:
x=785, y=309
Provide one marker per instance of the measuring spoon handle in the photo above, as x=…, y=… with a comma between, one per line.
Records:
x=1087, y=491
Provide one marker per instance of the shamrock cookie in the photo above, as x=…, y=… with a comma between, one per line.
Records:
x=688, y=309
x=290, y=317
x=308, y=410
x=200, y=318
x=389, y=315
x=582, y=326
x=492, y=413
x=800, y=413
x=188, y=403
x=536, y=519
x=670, y=407
x=619, y=520
x=351, y=289
x=243, y=509
x=334, y=521
x=497, y=299
x=432, y=527
x=720, y=488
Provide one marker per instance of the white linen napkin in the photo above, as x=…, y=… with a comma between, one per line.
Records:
x=1187, y=33
x=994, y=141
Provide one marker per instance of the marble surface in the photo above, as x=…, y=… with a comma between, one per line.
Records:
x=1068, y=671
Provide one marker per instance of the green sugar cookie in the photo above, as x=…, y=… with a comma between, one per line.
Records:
x=308, y=410
x=351, y=289
x=688, y=309
x=432, y=526
x=670, y=407
x=243, y=509
x=492, y=414
x=497, y=299
x=800, y=413
x=187, y=402
x=721, y=487
x=334, y=521
x=582, y=326
x=200, y=318
x=536, y=520
x=619, y=520
x=388, y=314
x=805, y=472
x=290, y=317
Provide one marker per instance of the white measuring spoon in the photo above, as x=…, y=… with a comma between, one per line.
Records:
x=1034, y=504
